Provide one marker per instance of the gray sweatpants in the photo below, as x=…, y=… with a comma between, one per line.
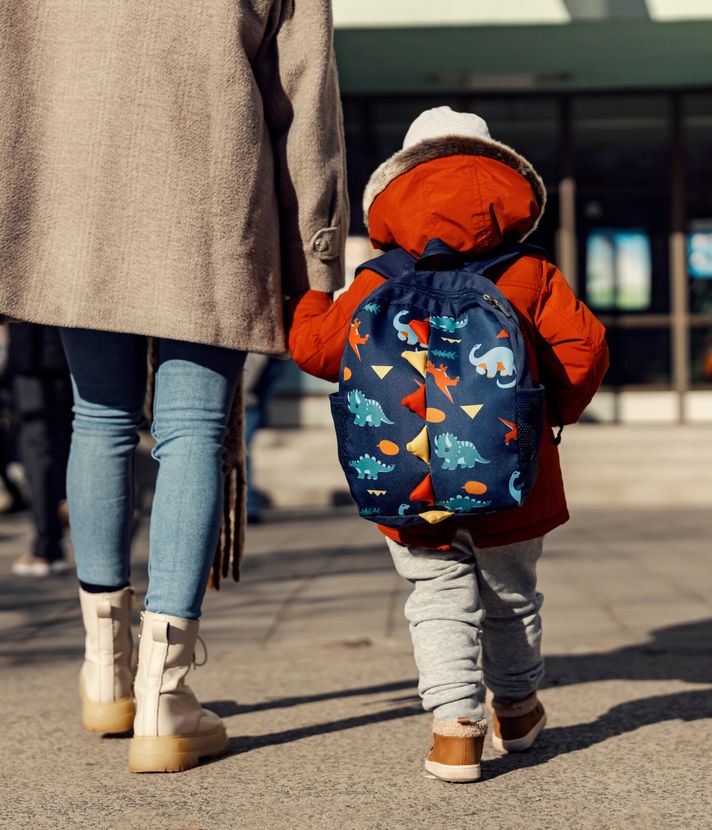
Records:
x=460, y=596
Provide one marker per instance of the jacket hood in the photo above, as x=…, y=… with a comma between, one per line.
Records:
x=471, y=193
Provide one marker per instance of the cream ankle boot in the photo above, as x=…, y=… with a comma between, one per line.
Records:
x=171, y=731
x=106, y=677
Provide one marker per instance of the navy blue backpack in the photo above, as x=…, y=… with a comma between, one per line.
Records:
x=437, y=414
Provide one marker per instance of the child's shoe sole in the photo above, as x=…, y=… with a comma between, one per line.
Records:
x=460, y=774
x=175, y=753
x=519, y=744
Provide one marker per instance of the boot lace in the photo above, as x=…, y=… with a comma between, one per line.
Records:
x=197, y=665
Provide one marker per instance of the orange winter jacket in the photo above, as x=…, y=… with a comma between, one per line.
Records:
x=474, y=203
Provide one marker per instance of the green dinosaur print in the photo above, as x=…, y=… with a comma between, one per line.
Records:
x=456, y=453
x=374, y=308
x=442, y=353
x=366, y=411
x=367, y=466
x=448, y=324
x=463, y=504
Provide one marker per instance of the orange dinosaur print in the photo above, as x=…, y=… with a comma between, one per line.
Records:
x=355, y=339
x=512, y=434
x=442, y=381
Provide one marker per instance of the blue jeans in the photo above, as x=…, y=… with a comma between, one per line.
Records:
x=195, y=387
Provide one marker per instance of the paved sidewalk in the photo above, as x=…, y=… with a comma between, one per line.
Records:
x=310, y=666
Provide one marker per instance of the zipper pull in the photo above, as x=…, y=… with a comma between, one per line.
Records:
x=496, y=304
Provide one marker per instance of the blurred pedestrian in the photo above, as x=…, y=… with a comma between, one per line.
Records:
x=450, y=194
x=261, y=378
x=43, y=403
x=14, y=499
x=166, y=171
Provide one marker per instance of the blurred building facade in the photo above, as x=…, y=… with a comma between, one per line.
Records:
x=611, y=100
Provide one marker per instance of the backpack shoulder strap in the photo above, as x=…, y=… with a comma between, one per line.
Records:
x=392, y=264
x=502, y=256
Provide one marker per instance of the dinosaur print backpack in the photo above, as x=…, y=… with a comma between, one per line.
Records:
x=436, y=413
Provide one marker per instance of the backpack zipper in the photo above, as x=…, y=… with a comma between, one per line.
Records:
x=488, y=298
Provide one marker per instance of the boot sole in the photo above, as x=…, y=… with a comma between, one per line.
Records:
x=461, y=773
x=112, y=718
x=519, y=744
x=175, y=753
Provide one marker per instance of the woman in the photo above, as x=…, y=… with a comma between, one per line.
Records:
x=166, y=174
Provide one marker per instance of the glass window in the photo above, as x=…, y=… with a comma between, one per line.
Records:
x=529, y=125
x=699, y=253
x=697, y=135
x=639, y=356
x=701, y=356
x=359, y=157
x=618, y=269
x=621, y=140
x=623, y=253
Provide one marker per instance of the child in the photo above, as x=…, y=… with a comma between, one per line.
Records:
x=474, y=578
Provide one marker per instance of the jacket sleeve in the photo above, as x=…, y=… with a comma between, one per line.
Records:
x=573, y=355
x=320, y=328
x=296, y=72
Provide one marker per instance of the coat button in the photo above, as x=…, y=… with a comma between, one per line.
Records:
x=320, y=244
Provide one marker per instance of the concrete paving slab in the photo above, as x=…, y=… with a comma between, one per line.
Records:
x=311, y=668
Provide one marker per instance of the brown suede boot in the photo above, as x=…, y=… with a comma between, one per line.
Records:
x=517, y=723
x=457, y=750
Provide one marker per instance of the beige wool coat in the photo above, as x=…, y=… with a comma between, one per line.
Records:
x=169, y=169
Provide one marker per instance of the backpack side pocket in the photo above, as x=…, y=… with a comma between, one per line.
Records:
x=530, y=427
x=340, y=414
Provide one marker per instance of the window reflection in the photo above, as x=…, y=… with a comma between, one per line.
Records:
x=701, y=356
x=622, y=140
x=618, y=270
x=639, y=356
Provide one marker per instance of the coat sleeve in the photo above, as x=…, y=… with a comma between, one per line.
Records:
x=319, y=327
x=573, y=355
x=296, y=72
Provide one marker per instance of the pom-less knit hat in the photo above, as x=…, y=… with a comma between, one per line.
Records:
x=441, y=132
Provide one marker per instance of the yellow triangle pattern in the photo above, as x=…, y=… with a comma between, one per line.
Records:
x=381, y=371
x=472, y=409
x=418, y=360
x=377, y=492
x=435, y=516
x=420, y=446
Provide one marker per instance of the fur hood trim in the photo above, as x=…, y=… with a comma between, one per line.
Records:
x=455, y=729
x=435, y=148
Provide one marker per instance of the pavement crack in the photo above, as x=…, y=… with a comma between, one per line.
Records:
x=294, y=595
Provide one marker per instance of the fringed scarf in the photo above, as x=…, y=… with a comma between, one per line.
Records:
x=228, y=554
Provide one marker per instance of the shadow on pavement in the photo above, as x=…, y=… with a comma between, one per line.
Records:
x=248, y=743
x=626, y=717
x=226, y=708
x=677, y=652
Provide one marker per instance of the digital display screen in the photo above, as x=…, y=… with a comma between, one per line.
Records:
x=618, y=269
x=699, y=251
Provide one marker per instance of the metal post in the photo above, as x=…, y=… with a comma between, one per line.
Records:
x=566, y=232
x=679, y=293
